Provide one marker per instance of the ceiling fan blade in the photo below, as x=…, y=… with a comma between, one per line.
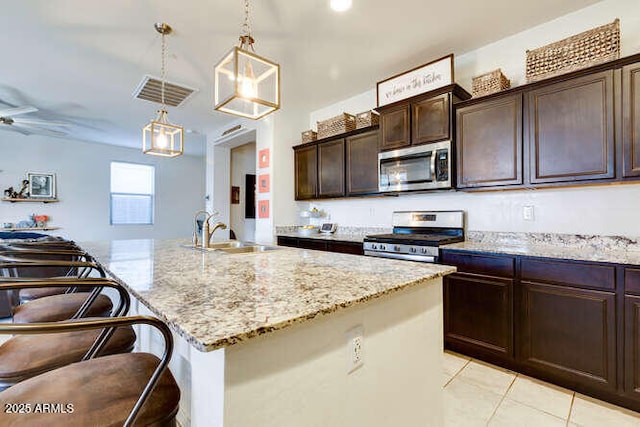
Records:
x=36, y=130
x=40, y=122
x=18, y=110
x=12, y=128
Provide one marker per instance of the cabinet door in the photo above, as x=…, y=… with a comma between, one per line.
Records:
x=632, y=345
x=288, y=241
x=345, y=247
x=306, y=172
x=571, y=130
x=430, y=120
x=362, y=163
x=331, y=169
x=631, y=120
x=394, y=128
x=568, y=333
x=478, y=315
x=489, y=143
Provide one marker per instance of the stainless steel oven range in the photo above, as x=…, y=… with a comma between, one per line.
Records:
x=417, y=235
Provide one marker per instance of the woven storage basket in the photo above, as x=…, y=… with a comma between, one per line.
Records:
x=488, y=83
x=366, y=119
x=336, y=125
x=583, y=50
x=309, y=136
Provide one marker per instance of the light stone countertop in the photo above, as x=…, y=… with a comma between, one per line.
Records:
x=215, y=299
x=609, y=249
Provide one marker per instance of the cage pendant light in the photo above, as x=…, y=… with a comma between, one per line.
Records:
x=246, y=85
x=159, y=137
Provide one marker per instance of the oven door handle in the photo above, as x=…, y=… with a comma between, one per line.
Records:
x=433, y=166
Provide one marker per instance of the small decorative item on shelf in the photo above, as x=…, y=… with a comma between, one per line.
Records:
x=366, y=119
x=309, y=136
x=591, y=47
x=336, y=125
x=22, y=194
x=488, y=83
x=40, y=221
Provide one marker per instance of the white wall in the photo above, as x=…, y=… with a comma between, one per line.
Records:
x=83, y=183
x=243, y=162
x=590, y=210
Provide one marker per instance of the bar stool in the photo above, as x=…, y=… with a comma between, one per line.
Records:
x=23, y=357
x=122, y=389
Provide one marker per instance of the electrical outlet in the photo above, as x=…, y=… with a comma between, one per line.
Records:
x=355, y=349
x=527, y=213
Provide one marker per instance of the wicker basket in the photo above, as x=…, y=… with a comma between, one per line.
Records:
x=488, y=83
x=336, y=125
x=366, y=119
x=309, y=136
x=583, y=50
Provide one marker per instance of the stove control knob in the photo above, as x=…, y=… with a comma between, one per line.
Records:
x=374, y=246
x=383, y=247
x=396, y=248
x=424, y=250
x=412, y=250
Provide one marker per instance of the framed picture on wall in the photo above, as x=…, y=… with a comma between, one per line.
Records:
x=42, y=185
x=235, y=195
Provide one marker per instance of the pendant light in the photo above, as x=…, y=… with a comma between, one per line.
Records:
x=159, y=137
x=246, y=85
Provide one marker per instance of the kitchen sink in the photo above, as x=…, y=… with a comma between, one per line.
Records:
x=234, y=247
x=248, y=249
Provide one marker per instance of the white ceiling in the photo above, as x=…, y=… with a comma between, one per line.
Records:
x=81, y=60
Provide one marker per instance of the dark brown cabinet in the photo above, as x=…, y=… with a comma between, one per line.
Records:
x=631, y=120
x=632, y=346
x=478, y=305
x=306, y=172
x=430, y=120
x=337, y=166
x=340, y=246
x=489, y=143
x=571, y=129
x=419, y=120
x=568, y=333
x=331, y=169
x=362, y=164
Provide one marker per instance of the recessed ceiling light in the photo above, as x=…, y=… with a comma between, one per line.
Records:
x=340, y=5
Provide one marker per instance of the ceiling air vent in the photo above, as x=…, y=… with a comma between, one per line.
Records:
x=149, y=89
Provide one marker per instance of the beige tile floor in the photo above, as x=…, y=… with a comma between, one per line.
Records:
x=479, y=394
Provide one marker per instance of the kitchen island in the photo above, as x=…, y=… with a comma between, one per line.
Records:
x=262, y=338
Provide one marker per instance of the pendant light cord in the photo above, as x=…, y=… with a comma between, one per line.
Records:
x=163, y=72
x=246, y=39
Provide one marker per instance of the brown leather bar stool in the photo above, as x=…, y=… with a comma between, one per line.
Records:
x=22, y=357
x=117, y=390
x=58, y=307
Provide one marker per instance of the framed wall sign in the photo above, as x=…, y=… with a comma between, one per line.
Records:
x=264, y=183
x=263, y=208
x=418, y=80
x=263, y=158
x=42, y=185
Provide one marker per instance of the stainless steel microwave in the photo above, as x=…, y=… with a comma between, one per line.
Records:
x=424, y=167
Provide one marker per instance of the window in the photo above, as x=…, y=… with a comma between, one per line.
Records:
x=132, y=191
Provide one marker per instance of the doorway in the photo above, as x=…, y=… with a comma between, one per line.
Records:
x=242, y=179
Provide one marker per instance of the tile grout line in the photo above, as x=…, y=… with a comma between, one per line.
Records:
x=573, y=398
x=502, y=399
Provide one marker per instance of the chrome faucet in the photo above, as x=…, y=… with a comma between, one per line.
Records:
x=207, y=231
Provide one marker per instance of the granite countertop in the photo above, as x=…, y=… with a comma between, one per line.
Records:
x=610, y=249
x=215, y=299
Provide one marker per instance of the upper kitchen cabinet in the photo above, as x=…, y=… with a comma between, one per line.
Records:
x=306, y=171
x=571, y=129
x=419, y=120
x=362, y=164
x=631, y=120
x=489, y=143
x=331, y=168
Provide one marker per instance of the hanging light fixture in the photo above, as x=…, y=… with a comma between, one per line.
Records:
x=246, y=85
x=161, y=138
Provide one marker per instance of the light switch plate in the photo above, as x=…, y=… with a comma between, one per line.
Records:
x=528, y=213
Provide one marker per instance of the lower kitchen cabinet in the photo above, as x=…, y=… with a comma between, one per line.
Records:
x=568, y=333
x=632, y=346
x=340, y=246
x=478, y=315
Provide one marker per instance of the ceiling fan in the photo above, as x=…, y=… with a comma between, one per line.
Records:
x=27, y=126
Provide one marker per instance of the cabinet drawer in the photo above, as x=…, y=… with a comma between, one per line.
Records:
x=316, y=244
x=288, y=241
x=345, y=247
x=569, y=273
x=481, y=264
x=632, y=280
